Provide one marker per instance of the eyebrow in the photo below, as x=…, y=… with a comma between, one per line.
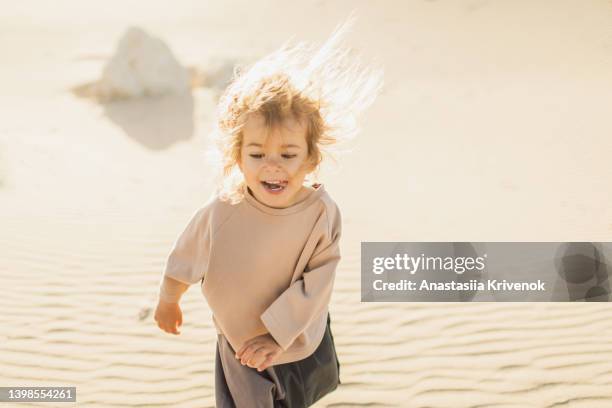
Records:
x=259, y=145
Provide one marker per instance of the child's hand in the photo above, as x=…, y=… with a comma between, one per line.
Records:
x=259, y=352
x=169, y=316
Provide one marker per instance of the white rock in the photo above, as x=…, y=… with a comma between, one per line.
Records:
x=142, y=66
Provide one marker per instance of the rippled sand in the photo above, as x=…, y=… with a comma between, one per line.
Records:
x=494, y=125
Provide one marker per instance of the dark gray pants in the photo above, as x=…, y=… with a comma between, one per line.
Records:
x=238, y=385
x=293, y=385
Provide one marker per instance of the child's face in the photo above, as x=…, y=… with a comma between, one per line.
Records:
x=274, y=161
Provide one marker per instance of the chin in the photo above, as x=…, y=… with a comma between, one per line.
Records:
x=281, y=199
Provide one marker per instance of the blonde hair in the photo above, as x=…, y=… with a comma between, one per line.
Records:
x=326, y=87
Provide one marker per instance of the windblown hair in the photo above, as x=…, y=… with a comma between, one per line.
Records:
x=324, y=88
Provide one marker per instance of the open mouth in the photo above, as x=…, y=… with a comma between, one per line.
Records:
x=274, y=186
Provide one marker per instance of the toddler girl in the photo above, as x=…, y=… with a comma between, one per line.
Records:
x=265, y=248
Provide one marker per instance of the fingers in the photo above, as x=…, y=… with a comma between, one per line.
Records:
x=169, y=317
x=249, y=353
x=252, y=342
x=266, y=363
x=258, y=358
x=244, y=346
x=258, y=352
x=240, y=351
x=171, y=328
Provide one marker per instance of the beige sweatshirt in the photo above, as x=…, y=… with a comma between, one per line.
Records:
x=262, y=269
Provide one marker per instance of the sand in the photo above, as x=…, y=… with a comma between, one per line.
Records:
x=493, y=126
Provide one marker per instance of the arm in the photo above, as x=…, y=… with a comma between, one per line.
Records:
x=168, y=313
x=185, y=265
x=294, y=310
x=171, y=290
x=188, y=259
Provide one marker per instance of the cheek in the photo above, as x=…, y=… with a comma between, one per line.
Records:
x=251, y=168
x=298, y=168
x=305, y=164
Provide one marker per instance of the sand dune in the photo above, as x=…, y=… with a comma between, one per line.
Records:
x=494, y=125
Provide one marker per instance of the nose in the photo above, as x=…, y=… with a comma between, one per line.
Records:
x=272, y=162
x=273, y=167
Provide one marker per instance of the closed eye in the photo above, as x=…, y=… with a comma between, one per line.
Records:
x=259, y=156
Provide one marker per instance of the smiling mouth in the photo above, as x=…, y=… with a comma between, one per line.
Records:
x=274, y=186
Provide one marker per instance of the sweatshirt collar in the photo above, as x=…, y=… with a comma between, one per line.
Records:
x=297, y=207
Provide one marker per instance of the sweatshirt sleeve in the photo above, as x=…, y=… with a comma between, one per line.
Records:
x=171, y=290
x=188, y=259
x=293, y=311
